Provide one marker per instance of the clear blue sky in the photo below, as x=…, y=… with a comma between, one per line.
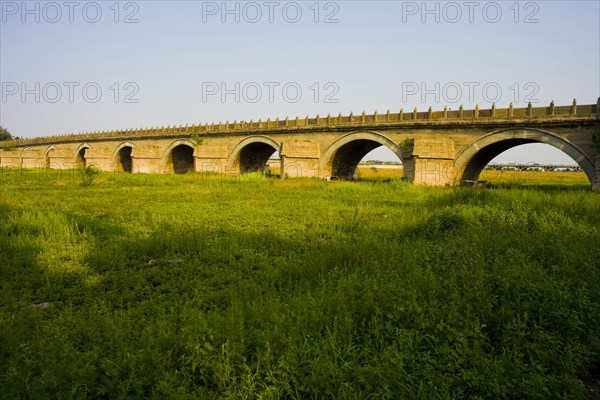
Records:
x=175, y=59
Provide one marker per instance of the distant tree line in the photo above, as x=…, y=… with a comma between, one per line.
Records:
x=5, y=134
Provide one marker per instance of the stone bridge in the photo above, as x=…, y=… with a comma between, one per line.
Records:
x=435, y=147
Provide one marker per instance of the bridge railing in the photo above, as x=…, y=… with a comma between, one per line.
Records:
x=388, y=117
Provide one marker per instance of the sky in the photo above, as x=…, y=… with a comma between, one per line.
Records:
x=82, y=66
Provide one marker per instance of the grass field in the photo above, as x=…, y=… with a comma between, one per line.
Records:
x=193, y=286
x=496, y=178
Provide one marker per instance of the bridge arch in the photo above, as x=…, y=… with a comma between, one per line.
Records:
x=21, y=162
x=47, y=155
x=341, y=158
x=252, y=153
x=122, y=159
x=80, y=159
x=472, y=159
x=179, y=157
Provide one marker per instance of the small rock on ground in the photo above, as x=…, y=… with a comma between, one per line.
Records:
x=43, y=305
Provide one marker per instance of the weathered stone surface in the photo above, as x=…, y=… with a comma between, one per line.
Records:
x=434, y=146
x=211, y=151
x=301, y=149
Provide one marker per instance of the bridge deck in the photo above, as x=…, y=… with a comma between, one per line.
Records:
x=434, y=119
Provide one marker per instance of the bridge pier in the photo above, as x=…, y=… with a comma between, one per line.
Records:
x=210, y=158
x=10, y=158
x=147, y=160
x=432, y=161
x=32, y=158
x=295, y=167
x=432, y=171
x=57, y=158
x=300, y=159
x=596, y=180
x=97, y=156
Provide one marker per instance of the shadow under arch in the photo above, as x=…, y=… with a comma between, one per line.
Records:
x=472, y=159
x=179, y=157
x=122, y=159
x=252, y=153
x=79, y=159
x=341, y=158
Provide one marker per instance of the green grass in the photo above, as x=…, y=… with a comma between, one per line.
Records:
x=294, y=289
x=552, y=180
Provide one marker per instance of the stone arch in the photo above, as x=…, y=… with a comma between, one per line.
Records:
x=472, y=159
x=341, y=158
x=252, y=153
x=122, y=159
x=47, y=156
x=179, y=157
x=21, y=162
x=80, y=159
